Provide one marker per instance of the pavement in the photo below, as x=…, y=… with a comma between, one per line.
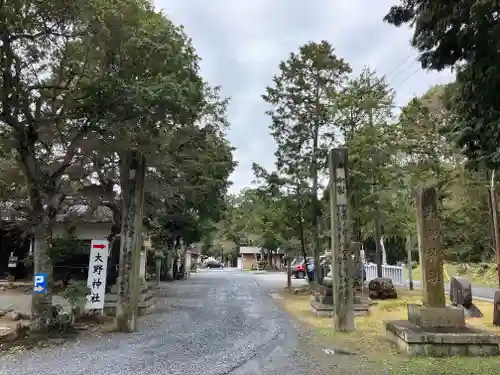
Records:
x=478, y=292
x=216, y=322
x=22, y=302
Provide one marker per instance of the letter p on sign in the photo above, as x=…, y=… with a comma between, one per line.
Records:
x=40, y=286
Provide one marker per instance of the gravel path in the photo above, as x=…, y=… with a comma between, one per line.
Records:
x=217, y=322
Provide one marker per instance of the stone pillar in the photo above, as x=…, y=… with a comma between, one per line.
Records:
x=431, y=258
x=343, y=288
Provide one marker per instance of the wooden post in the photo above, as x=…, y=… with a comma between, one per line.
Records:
x=431, y=258
x=342, y=280
x=132, y=176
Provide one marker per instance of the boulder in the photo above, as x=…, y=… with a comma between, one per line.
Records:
x=382, y=288
x=13, y=315
x=461, y=295
x=460, y=291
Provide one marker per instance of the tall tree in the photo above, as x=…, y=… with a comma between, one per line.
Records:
x=465, y=35
x=364, y=116
x=59, y=91
x=301, y=119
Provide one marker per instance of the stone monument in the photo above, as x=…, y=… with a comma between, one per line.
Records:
x=336, y=297
x=461, y=295
x=433, y=329
x=322, y=300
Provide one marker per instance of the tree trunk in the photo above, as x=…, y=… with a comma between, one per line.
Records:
x=169, y=273
x=314, y=173
x=132, y=176
x=41, y=304
x=289, y=273
x=158, y=271
x=494, y=220
x=184, y=250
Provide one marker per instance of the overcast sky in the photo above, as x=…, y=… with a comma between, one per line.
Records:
x=242, y=42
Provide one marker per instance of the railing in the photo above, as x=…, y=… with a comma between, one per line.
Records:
x=396, y=273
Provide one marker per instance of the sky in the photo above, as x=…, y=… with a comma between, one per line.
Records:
x=241, y=44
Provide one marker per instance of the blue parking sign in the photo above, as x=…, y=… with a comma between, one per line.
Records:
x=40, y=286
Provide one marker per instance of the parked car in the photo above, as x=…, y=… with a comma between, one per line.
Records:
x=214, y=264
x=299, y=268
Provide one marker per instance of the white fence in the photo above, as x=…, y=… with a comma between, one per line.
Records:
x=396, y=273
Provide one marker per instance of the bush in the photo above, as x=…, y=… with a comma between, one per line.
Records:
x=76, y=293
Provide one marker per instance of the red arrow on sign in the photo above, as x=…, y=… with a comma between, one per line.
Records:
x=101, y=246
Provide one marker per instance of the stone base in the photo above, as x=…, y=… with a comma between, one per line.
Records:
x=323, y=299
x=147, y=300
x=326, y=310
x=324, y=290
x=358, y=300
x=442, y=341
x=436, y=317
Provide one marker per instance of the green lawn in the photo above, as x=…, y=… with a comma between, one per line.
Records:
x=375, y=354
x=478, y=274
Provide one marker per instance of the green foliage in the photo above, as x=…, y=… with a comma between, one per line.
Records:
x=191, y=176
x=75, y=293
x=388, y=159
x=301, y=97
x=65, y=247
x=465, y=35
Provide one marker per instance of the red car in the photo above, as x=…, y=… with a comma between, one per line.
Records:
x=299, y=268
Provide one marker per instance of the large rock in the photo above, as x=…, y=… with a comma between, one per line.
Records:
x=461, y=295
x=382, y=288
x=13, y=315
x=460, y=291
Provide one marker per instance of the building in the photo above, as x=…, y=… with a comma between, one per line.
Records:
x=249, y=256
x=81, y=221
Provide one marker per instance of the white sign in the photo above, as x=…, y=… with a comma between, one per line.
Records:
x=96, y=280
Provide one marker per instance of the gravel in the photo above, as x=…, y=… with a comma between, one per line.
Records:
x=216, y=322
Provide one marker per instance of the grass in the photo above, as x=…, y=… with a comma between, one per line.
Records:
x=475, y=273
x=376, y=352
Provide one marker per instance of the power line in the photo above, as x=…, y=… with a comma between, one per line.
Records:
x=409, y=75
x=401, y=63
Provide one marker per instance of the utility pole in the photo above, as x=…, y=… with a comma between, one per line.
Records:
x=378, y=250
x=377, y=223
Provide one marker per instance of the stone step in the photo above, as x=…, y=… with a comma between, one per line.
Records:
x=113, y=297
x=144, y=287
x=145, y=307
